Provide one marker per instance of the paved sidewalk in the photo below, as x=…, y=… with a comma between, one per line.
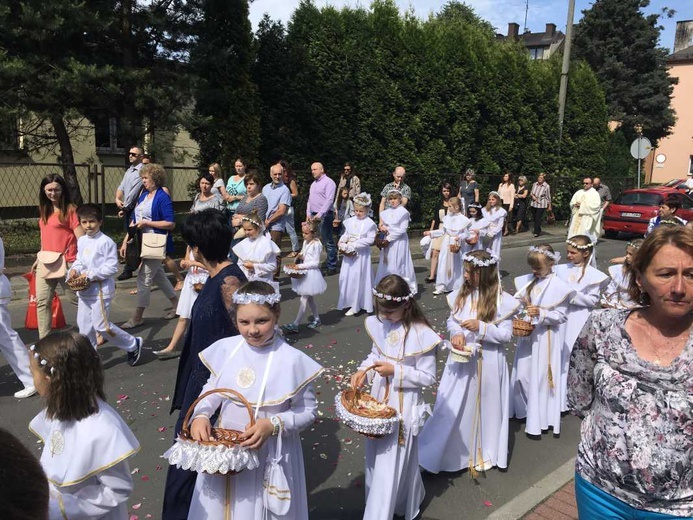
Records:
x=559, y=506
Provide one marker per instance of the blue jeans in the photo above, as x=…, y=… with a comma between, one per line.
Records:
x=326, y=234
x=596, y=504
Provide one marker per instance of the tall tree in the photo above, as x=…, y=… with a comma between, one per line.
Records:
x=620, y=43
x=225, y=120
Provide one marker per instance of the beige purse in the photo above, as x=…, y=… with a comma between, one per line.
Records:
x=51, y=265
x=153, y=246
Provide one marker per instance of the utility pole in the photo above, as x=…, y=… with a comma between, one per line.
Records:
x=563, y=92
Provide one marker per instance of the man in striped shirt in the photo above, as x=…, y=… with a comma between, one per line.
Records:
x=541, y=201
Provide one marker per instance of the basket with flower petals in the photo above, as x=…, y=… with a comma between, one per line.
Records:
x=294, y=270
x=522, y=327
x=455, y=247
x=363, y=413
x=222, y=453
x=78, y=283
x=473, y=238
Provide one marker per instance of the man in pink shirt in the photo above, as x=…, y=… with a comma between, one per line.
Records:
x=320, y=205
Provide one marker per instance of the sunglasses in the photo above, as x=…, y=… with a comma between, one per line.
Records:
x=131, y=154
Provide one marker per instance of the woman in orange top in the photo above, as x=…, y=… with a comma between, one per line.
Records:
x=60, y=230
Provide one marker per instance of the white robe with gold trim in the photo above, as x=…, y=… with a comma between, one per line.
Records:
x=393, y=480
x=587, y=293
x=453, y=232
x=461, y=427
x=355, y=274
x=86, y=464
x=263, y=253
x=289, y=395
x=534, y=395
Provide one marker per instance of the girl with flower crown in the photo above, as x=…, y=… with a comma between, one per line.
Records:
x=588, y=284
x=257, y=254
x=403, y=352
x=469, y=425
x=355, y=275
x=616, y=295
x=535, y=383
x=277, y=380
x=495, y=216
x=453, y=231
x=395, y=257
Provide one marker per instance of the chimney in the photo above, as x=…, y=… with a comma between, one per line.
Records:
x=684, y=35
x=550, y=30
x=513, y=31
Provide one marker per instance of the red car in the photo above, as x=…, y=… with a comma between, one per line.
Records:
x=632, y=210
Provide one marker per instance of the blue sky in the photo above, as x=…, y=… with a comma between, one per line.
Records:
x=498, y=12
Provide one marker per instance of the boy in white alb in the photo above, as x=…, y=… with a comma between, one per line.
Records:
x=97, y=259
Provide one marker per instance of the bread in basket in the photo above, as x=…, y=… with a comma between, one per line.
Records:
x=363, y=413
x=222, y=454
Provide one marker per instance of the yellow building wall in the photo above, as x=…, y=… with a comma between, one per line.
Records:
x=677, y=147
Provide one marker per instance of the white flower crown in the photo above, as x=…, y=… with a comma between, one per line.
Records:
x=391, y=298
x=40, y=360
x=363, y=199
x=553, y=256
x=254, y=222
x=478, y=262
x=259, y=299
x=633, y=245
x=580, y=247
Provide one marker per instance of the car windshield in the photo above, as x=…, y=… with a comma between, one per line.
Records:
x=673, y=183
x=639, y=199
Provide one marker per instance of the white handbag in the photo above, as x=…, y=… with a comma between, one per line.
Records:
x=153, y=246
x=277, y=494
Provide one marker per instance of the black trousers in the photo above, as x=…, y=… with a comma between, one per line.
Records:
x=132, y=250
x=538, y=215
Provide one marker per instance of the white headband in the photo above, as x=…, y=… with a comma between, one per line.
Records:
x=392, y=298
x=254, y=222
x=553, y=256
x=259, y=299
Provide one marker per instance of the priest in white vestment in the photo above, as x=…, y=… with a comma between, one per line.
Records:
x=585, y=207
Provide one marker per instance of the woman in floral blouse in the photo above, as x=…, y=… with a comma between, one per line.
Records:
x=630, y=377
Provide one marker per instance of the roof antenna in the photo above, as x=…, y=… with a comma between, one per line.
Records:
x=526, y=29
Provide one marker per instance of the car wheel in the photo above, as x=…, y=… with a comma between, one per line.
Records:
x=610, y=233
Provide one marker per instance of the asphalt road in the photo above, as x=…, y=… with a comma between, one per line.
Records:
x=334, y=455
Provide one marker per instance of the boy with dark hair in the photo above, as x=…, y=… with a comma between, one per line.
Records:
x=97, y=261
x=667, y=212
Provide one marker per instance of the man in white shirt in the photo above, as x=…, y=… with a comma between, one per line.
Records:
x=126, y=199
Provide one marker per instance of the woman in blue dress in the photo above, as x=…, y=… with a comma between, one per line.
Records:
x=208, y=234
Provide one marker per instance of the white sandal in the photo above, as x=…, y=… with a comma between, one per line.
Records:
x=131, y=324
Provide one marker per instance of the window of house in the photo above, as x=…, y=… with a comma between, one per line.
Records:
x=690, y=164
x=9, y=133
x=536, y=53
x=108, y=134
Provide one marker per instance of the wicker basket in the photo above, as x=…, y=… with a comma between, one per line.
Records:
x=381, y=240
x=459, y=355
x=455, y=247
x=363, y=413
x=78, y=283
x=348, y=253
x=294, y=270
x=222, y=454
x=522, y=328
x=472, y=239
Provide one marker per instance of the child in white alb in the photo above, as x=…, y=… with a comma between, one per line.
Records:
x=11, y=345
x=395, y=256
x=311, y=282
x=616, y=295
x=257, y=254
x=277, y=380
x=355, y=278
x=97, y=259
x=86, y=443
x=404, y=350
x=454, y=232
x=495, y=215
x=535, y=382
x=588, y=284
x=469, y=427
